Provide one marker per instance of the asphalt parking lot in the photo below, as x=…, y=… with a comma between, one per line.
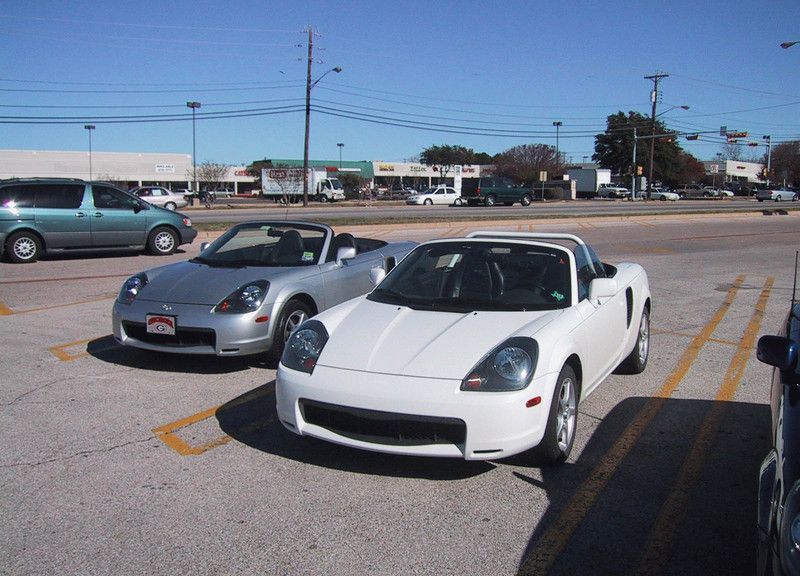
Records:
x=124, y=461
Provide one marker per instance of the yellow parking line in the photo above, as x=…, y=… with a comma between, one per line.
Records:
x=6, y=311
x=61, y=352
x=673, y=510
x=555, y=538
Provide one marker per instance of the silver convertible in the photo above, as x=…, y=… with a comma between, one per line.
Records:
x=248, y=290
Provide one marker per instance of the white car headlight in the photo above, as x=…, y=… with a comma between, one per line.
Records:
x=131, y=288
x=508, y=367
x=305, y=346
x=245, y=299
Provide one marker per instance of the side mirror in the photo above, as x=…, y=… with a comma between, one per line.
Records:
x=204, y=245
x=602, y=288
x=376, y=275
x=777, y=351
x=345, y=253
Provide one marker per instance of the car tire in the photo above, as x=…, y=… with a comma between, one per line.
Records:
x=559, y=435
x=778, y=198
x=460, y=202
x=428, y=202
x=525, y=200
x=760, y=199
x=162, y=241
x=490, y=200
x=23, y=247
x=322, y=198
x=171, y=206
x=293, y=314
x=636, y=361
x=662, y=198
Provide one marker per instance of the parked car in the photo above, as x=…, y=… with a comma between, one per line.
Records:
x=223, y=192
x=477, y=348
x=247, y=291
x=436, y=195
x=663, y=194
x=697, y=191
x=160, y=196
x=779, y=476
x=47, y=215
x=612, y=190
x=491, y=190
x=776, y=195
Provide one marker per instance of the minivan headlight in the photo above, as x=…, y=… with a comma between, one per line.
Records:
x=131, y=288
x=244, y=299
x=510, y=366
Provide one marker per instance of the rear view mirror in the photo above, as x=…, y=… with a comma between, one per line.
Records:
x=777, y=351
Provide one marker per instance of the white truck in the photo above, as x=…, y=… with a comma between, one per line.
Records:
x=588, y=180
x=287, y=184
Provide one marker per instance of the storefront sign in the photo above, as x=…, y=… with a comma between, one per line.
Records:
x=165, y=168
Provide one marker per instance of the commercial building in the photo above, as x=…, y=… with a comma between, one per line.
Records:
x=734, y=171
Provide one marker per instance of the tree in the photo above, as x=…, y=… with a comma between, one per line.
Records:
x=444, y=157
x=211, y=173
x=785, y=163
x=689, y=169
x=731, y=152
x=523, y=163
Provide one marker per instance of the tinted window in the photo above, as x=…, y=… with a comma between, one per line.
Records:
x=59, y=195
x=107, y=197
x=587, y=271
x=17, y=196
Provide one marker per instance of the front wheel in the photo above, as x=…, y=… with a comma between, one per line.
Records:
x=490, y=200
x=293, y=314
x=525, y=200
x=428, y=202
x=562, y=420
x=23, y=247
x=636, y=361
x=162, y=241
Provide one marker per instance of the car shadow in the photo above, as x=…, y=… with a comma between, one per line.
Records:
x=605, y=502
x=253, y=420
x=96, y=255
x=106, y=349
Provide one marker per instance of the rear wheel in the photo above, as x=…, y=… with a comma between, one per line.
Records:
x=636, y=361
x=562, y=420
x=293, y=314
x=490, y=200
x=525, y=200
x=162, y=241
x=171, y=206
x=428, y=202
x=24, y=247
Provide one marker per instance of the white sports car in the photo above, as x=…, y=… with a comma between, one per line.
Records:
x=475, y=348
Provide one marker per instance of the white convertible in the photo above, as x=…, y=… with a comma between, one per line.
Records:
x=475, y=348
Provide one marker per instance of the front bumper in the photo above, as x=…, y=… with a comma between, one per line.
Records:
x=411, y=415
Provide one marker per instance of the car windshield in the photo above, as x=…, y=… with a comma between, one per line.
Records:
x=465, y=276
x=266, y=244
x=428, y=191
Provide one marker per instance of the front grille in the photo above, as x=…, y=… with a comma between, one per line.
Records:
x=384, y=427
x=183, y=337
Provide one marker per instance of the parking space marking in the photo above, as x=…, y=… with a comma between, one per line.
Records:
x=29, y=281
x=61, y=351
x=6, y=311
x=686, y=335
x=547, y=549
x=672, y=512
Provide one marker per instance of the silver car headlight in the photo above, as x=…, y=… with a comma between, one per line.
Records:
x=304, y=347
x=245, y=299
x=510, y=366
x=790, y=531
x=131, y=288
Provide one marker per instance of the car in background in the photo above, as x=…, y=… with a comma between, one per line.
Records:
x=491, y=190
x=476, y=348
x=223, y=192
x=779, y=475
x=725, y=193
x=776, y=195
x=611, y=190
x=697, y=191
x=41, y=216
x=437, y=195
x=663, y=194
x=248, y=290
x=160, y=196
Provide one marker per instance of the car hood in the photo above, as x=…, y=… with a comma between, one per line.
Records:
x=390, y=339
x=195, y=283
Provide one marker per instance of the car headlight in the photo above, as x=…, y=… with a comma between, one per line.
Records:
x=508, y=367
x=131, y=288
x=790, y=531
x=245, y=299
x=305, y=346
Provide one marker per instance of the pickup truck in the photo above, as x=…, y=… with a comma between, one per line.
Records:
x=612, y=191
x=491, y=190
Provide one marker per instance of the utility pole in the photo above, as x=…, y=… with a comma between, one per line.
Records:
x=768, y=138
x=308, y=116
x=633, y=167
x=654, y=99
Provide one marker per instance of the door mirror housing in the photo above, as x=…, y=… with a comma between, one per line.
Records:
x=204, y=245
x=376, y=276
x=602, y=288
x=345, y=253
x=777, y=351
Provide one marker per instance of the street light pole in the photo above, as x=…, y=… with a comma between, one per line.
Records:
x=340, y=145
x=557, y=124
x=89, y=128
x=768, y=138
x=194, y=106
x=633, y=167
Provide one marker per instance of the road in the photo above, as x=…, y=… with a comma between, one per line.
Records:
x=116, y=461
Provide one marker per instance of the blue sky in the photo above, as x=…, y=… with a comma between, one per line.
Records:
x=482, y=67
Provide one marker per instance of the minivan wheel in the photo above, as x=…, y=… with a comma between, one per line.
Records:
x=24, y=247
x=162, y=241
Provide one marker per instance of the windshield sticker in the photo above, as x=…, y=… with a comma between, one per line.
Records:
x=557, y=295
x=308, y=257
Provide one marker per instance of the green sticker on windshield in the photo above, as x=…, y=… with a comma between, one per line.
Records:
x=308, y=256
x=557, y=295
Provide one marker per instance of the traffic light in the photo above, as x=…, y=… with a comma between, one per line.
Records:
x=639, y=171
x=693, y=137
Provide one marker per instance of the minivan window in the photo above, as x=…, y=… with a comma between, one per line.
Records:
x=17, y=197
x=59, y=195
x=108, y=197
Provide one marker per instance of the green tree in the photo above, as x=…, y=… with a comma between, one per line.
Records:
x=523, y=163
x=444, y=157
x=785, y=163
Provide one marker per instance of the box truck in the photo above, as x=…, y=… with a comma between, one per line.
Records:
x=287, y=184
x=588, y=180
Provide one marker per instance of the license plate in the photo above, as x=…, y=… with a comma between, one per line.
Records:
x=160, y=324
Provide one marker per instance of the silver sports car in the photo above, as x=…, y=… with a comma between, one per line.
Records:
x=247, y=291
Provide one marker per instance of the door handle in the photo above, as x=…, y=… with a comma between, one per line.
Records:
x=98, y=214
x=80, y=215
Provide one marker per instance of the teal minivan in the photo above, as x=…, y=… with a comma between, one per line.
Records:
x=48, y=215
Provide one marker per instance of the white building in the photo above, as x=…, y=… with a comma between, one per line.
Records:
x=734, y=171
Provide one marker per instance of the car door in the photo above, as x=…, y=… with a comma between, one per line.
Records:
x=118, y=219
x=440, y=196
x=62, y=215
x=350, y=279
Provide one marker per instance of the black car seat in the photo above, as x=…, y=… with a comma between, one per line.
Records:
x=289, y=249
